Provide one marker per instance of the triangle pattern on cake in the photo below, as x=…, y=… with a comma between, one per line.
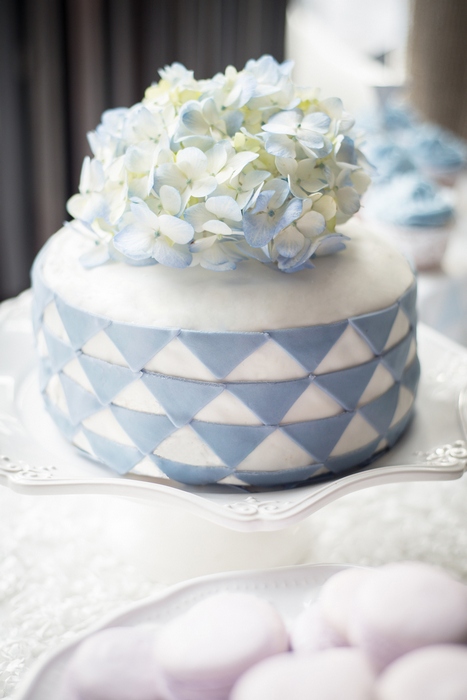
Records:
x=120, y=458
x=106, y=379
x=411, y=376
x=138, y=345
x=189, y=474
x=347, y=385
x=270, y=401
x=376, y=327
x=45, y=372
x=358, y=458
x=59, y=352
x=408, y=304
x=232, y=443
x=79, y=325
x=146, y=430
x=309, y=346
x=380, y=412
x=81, y=404
x=222, y=352
x=63, y=423
x=181, y=398
x=319, y=437
x=396, y=358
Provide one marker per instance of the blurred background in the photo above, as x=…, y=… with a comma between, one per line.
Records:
x=63, y=62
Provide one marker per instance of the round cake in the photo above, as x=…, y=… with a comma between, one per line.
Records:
x=261, y=350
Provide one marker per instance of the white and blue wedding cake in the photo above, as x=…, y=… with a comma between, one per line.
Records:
x=206, y=316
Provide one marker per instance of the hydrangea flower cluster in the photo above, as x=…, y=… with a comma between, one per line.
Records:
x=211, y=172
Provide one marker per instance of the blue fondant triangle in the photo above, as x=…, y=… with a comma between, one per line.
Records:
x=42, y=294
x=411, y=376
x=396, y=358
x=232, y=443
x=376, y=327
x=181, y=398
x=347, y=385
x=60, y=353
x=380, y=412
x=396, y=431
x=120, y=458
x=145, y=429
x=45, y=372
x=62, y=422
x=358, y=458
x=191, y=474
x=107, y=380
x=138, y=345
x=408, y=304
x=222, y=352
x=319, y=437
x=270, y=401
x=309, y=346
x=275, y=478
x=79, y=325
x=81, y=403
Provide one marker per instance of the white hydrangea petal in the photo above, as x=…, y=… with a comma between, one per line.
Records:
x=194, y=121
x=289, y=242
x=88, y=207
x=169, y=174
x=192, y=162
x=326, y=206
x=333, y=106
x=216, y=158
x=224, y=208
x=210, y=111
x=310, y=139
x=283, y=122
x=236, y=163
x=361, y=181
x=254, y=178
x=286, y=166
x=204, y=186
x=170, y=199
x=280, y=189
x=218, y=227
x=135, y=241
x=348, y=201
x=311, y=224
x=202, y=244
x=176, y=229
x=317, y=121
x=140, y=158
x=197, y=215
x=280, y=145
x=331, y=244
x=296, y=190
x=171, y=255
x=143, y=214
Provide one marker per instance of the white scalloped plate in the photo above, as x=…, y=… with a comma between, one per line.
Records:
x=35, y=459
x=289, y=589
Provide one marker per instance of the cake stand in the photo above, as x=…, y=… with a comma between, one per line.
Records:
x=35, y=459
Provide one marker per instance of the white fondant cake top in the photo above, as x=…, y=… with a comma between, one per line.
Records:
x=367, y=276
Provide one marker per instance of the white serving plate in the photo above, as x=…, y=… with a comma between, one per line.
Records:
x=35, y=459
x=289, y=589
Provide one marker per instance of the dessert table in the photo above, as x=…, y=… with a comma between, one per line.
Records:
x=70, y=558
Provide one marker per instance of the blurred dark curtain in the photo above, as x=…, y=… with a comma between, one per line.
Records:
x=438, y=62
x=64, y=61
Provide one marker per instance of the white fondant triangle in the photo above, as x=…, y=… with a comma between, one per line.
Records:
x=227, y=408
x=176, y=360
x=54, y=323
x=399, y=330
x=357, y=434
x=348, y=351
x=101, y=347
x=103, y=423
x=269, y=362
x=136, y=396
x=276, y=452
x=312, y=405
x=187, y=447
x=381, y=381
x=404, y=404
x=74, y=370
